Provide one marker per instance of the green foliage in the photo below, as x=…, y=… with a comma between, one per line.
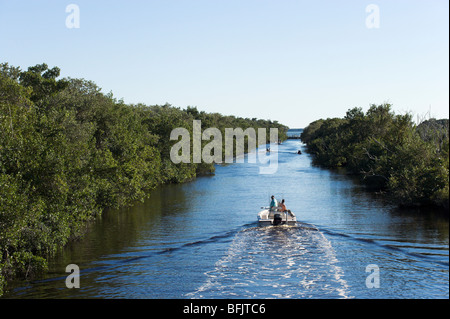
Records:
x=68, y=151
x=42, y=81
x=388, y=150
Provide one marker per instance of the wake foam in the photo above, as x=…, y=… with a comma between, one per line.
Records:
x=276, y=262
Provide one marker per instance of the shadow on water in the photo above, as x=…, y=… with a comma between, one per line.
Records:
x=118, y=228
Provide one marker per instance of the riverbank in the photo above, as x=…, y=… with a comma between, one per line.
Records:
x=408, y=162
x=69, y=151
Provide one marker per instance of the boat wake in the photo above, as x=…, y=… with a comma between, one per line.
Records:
x=276, y=262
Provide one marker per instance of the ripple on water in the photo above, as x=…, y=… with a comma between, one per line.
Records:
x=276, y=262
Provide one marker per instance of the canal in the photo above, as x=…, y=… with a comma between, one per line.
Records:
x=201, y=240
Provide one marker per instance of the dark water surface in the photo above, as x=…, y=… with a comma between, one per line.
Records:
x=201, y=240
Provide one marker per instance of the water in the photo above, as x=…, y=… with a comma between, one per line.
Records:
x=201, y=240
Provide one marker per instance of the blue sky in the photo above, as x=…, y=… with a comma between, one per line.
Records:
x=287, y=60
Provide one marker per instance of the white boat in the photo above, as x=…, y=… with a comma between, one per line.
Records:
x=266, y=217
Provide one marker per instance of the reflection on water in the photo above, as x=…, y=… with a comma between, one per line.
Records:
x=201, y=240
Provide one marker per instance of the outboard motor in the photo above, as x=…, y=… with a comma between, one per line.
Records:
x=277, y=219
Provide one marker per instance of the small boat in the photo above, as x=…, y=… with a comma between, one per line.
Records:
x=266, y=217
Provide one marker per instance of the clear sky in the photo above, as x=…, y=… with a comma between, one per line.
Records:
x=288, y=60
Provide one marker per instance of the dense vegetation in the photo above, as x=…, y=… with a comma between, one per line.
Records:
x=410, y=162
x=68, y=151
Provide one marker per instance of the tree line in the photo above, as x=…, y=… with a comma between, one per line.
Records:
x=69, y=151
x=409, y=162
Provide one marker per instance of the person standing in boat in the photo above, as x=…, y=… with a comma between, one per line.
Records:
x=273, y=204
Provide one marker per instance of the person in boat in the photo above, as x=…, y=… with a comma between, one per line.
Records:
x=283, y=208
x=273, y=204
